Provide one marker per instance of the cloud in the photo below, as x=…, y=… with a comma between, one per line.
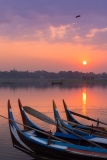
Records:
x=2, y=21
x=54, y=21
x=93, y=32
x=58, y=32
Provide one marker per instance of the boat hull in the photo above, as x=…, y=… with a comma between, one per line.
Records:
x=35, y=146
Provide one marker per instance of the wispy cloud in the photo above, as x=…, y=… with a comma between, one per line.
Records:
x=54, y=21
x=2, y=21
x=58, y=32
x=94, y=31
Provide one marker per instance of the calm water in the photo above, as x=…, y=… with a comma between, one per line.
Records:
x=87, y=100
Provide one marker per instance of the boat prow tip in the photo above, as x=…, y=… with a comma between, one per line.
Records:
x=19, y=102
x=9, y=105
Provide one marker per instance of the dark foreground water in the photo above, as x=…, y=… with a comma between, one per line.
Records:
x=87, y=100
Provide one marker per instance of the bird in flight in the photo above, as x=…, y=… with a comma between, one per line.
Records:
x=78, y=16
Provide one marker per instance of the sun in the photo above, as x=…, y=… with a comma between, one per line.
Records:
x=84, y=62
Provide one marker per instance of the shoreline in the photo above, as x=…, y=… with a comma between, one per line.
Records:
x=51, y=82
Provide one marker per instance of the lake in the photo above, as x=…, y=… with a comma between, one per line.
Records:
x=89, y=100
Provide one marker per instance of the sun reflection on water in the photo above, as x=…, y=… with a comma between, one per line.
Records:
x=84, y=98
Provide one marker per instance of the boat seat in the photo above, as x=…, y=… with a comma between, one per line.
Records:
x=31, y=133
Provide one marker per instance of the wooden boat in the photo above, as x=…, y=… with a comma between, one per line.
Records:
x=79, y=125
x=84, y=131
x=73, y=137
x=61, y=134
x=61, y=83
x=47, y=148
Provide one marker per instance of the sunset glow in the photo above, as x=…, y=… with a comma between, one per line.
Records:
x=84, y=62
x=34, y=38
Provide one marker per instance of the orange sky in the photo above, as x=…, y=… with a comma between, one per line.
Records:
x=50, y=57
x=46, y=35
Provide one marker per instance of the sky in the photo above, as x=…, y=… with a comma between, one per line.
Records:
x=46, y=35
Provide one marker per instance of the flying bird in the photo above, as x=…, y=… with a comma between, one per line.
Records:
x=78, y=16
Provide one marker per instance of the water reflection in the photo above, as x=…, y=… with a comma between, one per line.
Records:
x=40, y=98
x=84, y=98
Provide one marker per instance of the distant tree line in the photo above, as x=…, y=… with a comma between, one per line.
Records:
x=44, y=74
